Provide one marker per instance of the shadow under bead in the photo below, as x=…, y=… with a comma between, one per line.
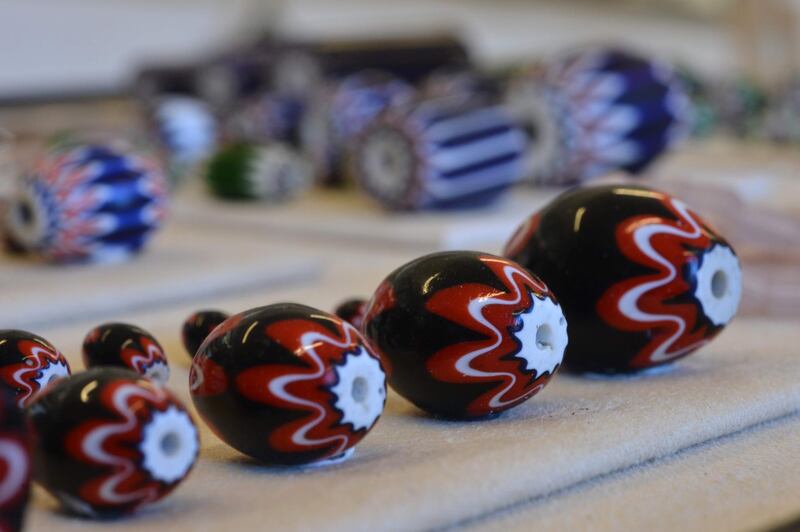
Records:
x=126, y=346
x=643, y=280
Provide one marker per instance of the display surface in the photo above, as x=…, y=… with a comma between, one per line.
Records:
x=28, y=364
x=107, y=442
x=642, y=278
x=126, y=346
x=466, y=334
x=288, y=384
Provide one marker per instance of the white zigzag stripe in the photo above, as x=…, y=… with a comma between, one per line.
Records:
x=278, y=387
x=475, y=308
x=93, y=445
x=629, y=302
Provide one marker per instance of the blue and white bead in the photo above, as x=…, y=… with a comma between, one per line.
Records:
x=440, y=154
x=88, y=202
x=187, y=129
x=597, y=111
x=342, y=111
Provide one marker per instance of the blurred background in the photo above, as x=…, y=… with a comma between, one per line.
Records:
x=47, y=44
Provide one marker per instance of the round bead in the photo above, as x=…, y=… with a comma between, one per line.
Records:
x=342, y=110
x=108, y=442
x=642, y=278
x=186, y=128
x=466, y=334
x=126, y=346
x=352, y=311
x=439, y=154
x=28, y=364
x=271, y=172
x=288, y=384
x=121, y=201
x=198, y=326
x=15, y=464
x=596, y=111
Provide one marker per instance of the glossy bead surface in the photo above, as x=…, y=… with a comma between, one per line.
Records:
x=198, y=326
x=107, y=442
x=270, y=172
x=440, y=154
x=126, y=346
x=15, y=464
x=28, y=364
x=288, y=384
x=352, y=311
x=466, y=334
x=88, y=203
x=595, y=111
x=642, y=278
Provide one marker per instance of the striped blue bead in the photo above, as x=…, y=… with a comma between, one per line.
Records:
x=439, y=155
x=88, y=203
x=597, y=111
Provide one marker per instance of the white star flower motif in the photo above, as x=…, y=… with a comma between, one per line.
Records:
x=543, y=336
x=360, y=389
x=169, y=445
x=719, y=284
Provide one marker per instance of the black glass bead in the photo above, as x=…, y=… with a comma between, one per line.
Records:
x=15, y=464
x=108, y=441
x=466, y=334
x=198, y=326
x=288, y=384
x=126, y=346
x=642, y=278
x=28, y=364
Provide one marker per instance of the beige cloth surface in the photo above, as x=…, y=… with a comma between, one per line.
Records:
x=353, y=218
x=181, y=265
x=414, y=472
x=743, y=482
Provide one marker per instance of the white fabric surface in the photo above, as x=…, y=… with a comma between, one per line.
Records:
x=355, y=219
x=743, y=482
x=414, y=472
x=182, y=264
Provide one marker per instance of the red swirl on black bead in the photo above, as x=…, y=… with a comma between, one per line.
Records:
x=15, y=466
x=117, y=447
x=647, y=302
x=490, y=359
x=307, y=389
x=39, y=365
x=144, y=356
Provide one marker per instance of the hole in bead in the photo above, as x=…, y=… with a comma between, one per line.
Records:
x=25, y=212
x=170, y=443
x=544, y=337
x=359, y=389
x=719, y=284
